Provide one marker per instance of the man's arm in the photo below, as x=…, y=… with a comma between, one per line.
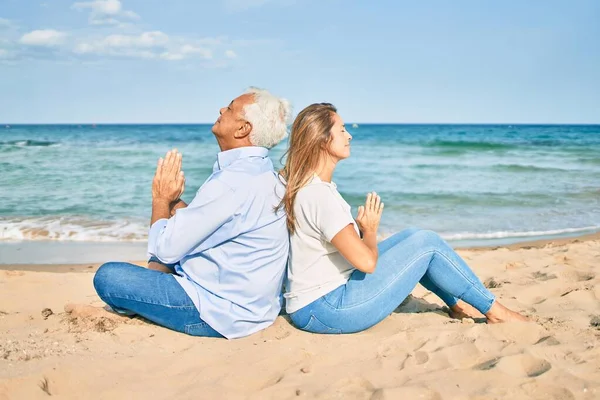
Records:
x=192, y=227
x=160, y=210
x=176, y=205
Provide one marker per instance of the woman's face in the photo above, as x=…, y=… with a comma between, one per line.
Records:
x=339, y=146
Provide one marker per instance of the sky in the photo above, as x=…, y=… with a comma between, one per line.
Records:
x=384, y=61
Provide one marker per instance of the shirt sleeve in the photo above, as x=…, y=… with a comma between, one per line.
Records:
x=331, y=215
x=171, y=239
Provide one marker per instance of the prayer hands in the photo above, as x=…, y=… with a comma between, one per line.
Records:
x=369, y=215
x=169, y=182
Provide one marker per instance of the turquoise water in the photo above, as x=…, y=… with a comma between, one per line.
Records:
x=488, y=183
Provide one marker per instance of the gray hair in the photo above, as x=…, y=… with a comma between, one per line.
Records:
x=269, y=116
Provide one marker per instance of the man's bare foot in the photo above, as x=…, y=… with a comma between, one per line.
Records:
x=464, y=310
x=156, y=266
x=498, y=314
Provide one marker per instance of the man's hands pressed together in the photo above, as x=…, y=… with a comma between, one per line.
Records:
x=168, y=186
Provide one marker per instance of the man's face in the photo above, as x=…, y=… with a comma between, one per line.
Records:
x=230, y=119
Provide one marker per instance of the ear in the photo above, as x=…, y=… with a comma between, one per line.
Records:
x=243, y=130
x=326, y=145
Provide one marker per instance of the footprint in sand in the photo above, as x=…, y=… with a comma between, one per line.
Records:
x=273, y=380
x=353, y=387
x=412, y=360
x=523, y=365
x=548, y=341
x=542, y=276
x=577, y=276
x=406, y=392
x=487, y=365
x=540, y=391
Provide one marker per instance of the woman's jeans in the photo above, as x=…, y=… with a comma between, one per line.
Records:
x=405, y=259
x=157, y=296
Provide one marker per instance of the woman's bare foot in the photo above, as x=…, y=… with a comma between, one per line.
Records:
x=498, y=314
x=463, y=310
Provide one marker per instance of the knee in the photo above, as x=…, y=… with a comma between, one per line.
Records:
x=410, y=231
x=106, y=276
x=428, y=237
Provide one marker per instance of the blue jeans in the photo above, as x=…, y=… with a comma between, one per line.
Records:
x=405, y=259
x=157, y=296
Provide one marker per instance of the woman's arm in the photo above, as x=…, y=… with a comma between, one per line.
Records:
x=362, y=254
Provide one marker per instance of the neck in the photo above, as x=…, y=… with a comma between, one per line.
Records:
x=225, y=145
x=325, y=168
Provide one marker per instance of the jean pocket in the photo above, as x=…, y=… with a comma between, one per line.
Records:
x=200, y=329
x=334, y=298
x=316, y=326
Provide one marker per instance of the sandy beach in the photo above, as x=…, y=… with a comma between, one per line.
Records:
x=50, y=347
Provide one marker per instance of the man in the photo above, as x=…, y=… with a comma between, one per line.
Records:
x=217, y=264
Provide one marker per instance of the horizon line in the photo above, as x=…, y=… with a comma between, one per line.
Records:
x=8, y=124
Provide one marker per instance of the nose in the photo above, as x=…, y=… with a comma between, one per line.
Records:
x=221, y=111
x=349, y=137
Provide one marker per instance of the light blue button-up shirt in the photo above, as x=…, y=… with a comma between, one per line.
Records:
x=230, y=245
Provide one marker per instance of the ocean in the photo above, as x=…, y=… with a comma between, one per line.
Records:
x=473, y=184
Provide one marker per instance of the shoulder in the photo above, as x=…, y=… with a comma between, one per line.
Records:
x=212, y=190
x=315, y=193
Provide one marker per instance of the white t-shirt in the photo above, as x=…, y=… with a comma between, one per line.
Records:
x=315, y=266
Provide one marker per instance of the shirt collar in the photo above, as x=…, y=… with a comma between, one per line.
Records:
x=316, y=179
x=226, y=158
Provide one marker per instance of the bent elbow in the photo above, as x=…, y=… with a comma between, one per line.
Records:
x=369, y=265
x=166, y=257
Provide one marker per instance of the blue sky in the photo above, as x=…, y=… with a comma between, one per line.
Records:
x=475, y=61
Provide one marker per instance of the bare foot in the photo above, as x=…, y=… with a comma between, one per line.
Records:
x=463, y=310
x=498, y=314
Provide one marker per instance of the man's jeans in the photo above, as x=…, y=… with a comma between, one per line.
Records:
x=157, y=296
x=405, y=259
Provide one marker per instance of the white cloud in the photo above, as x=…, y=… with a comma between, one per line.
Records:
x=188, y=49
x=156, y=44
x=146, y=39
x=43, y=38
x=230, y=54
x=5, y=23
x=105, y=12
x=172, y=56
x=145, y=45
x=3, y=53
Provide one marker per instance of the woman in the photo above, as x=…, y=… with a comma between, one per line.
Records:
x=339, y=282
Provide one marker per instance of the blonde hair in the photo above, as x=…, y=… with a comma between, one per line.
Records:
x=310, y=135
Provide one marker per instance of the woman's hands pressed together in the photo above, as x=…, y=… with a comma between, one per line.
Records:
x=369, y=215
x=362, y=254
